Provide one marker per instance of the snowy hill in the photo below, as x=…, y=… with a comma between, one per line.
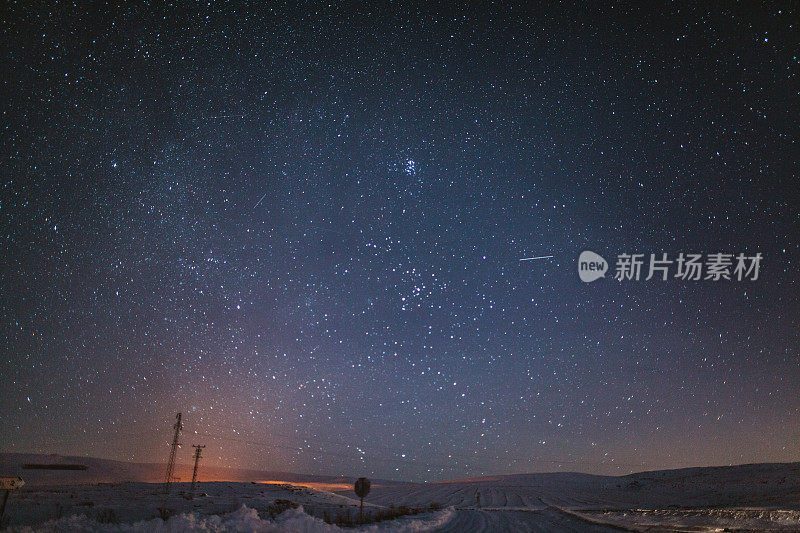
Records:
x=764, y=485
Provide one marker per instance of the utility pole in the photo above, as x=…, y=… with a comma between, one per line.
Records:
x=197, y=448
x=175, y=444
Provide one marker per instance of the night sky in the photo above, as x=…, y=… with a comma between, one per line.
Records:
x=301, y=226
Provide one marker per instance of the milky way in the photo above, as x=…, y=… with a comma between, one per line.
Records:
x=302, y=227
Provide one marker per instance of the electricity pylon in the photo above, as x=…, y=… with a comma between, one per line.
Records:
x=175, y=444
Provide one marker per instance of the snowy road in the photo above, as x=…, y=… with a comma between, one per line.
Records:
x=548, y=519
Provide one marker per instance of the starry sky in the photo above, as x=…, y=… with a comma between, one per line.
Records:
x=301, y=226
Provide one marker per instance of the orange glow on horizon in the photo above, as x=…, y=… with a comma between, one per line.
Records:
x=317, y=485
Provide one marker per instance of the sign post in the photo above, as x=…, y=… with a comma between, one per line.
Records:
x=362, y=489
x=7, y=484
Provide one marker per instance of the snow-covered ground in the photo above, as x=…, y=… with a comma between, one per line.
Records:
x=770, y=485
x=744, y=498
x=215, y=506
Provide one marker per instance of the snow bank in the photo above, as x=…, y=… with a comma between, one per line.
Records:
x=244, y=519
x=297, y=520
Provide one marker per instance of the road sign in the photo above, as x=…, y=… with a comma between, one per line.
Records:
x=362, y=487
x=11, y=483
